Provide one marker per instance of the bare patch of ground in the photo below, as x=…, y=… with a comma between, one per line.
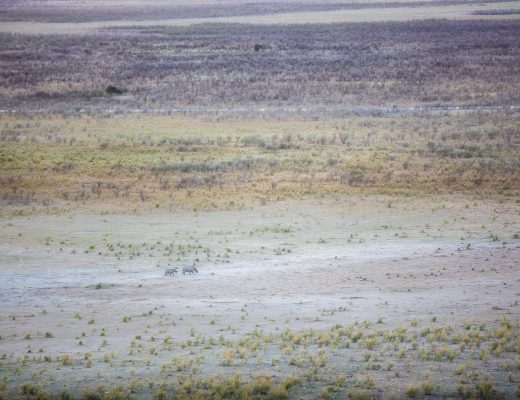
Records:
x=84, y=299
x=456, y=11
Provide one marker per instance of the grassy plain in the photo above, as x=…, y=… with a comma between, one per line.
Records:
x=321, y=71
x=171, y=162
x=349, y=193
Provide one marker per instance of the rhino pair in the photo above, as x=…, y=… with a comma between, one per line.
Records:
x=185, y=270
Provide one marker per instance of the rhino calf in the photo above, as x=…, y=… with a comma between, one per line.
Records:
x=190, y=270
x=170, y=272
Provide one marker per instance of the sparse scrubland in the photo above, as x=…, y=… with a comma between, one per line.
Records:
x=348, y=193
x=171, y=162
x=328, y=69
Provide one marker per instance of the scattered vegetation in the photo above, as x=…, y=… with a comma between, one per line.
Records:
x=329, y=68
x=147, y=169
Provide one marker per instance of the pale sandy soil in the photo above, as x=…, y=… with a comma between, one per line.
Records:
x=295, y=265
x=459, y=11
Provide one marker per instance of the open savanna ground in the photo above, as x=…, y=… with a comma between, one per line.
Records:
x=72, y=17
x=339, y=180
x=375, y=12
x=75, y=11
x=321, y=69
x=143, y=162
x=351, y=297
x=364, y=257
